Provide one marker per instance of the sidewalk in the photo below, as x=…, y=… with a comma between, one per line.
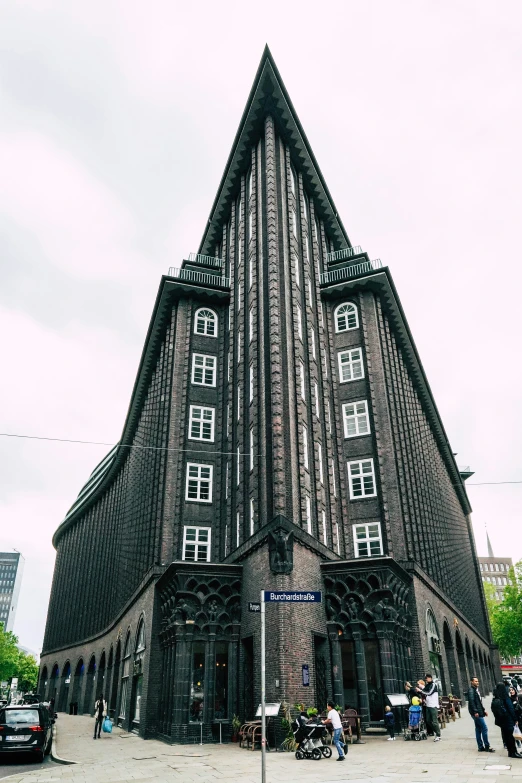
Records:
x=123, y=758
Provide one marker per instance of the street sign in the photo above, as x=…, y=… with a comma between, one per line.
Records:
x=293, y=596
x=306, y=674
x=253, y=607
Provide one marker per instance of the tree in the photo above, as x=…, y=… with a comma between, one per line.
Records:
x=9, y=654
x=506, y=615
x=27, y=672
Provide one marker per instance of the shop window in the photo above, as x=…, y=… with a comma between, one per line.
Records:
x=197, y=683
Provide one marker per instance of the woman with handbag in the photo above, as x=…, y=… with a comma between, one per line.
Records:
x=100, y=712
x=503, y=710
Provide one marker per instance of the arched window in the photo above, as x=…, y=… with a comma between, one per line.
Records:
x=125, y=678
x=139, y=653
x=206, y=322
x=432, y=633
x=346, y=317
x=249, y=184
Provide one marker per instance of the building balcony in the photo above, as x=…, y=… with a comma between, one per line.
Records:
x=206, y=279
x=340, y=255
x=347, y=272
x=198, y=258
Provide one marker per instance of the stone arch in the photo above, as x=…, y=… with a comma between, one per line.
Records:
x=101, y=677
x=63, y=692
x=125, y=677
x=88, y=704
x=43, y=682
x=137, y=674
x=115, y=679
x=434, y=647
x=461, y=658
x=454, y=685
x=469, y=658
x=53, y=683
x=77, y=684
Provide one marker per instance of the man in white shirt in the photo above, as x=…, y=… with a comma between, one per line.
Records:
x=335, y=719
x=431, y=694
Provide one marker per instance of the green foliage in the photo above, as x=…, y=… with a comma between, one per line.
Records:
x=311, y=712
x=506, y=616
x=15, y=663
x=236, y=724
x=9, y=654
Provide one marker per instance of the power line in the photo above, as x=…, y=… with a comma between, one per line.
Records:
x=197, y=451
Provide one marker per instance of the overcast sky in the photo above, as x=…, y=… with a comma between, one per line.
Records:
x=116, y=120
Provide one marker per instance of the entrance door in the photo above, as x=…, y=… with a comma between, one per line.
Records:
x=373, y=677
x=351, y=696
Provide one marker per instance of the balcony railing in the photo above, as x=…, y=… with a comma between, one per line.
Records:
x=197, y=258
x=346, y=252
x=337, y=275
x=201, y=278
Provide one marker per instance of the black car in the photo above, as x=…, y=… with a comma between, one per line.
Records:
x=26, y=728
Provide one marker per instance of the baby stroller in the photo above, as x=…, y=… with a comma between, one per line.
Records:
x=416, y=729
x=309, y=737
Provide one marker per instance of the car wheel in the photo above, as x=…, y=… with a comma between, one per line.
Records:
x=39, y=756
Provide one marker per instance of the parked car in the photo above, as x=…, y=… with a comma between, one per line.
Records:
x=26, y=728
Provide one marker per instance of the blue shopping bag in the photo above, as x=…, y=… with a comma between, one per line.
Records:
x=107, y=725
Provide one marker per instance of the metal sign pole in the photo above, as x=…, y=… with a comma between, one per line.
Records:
x=263, y=694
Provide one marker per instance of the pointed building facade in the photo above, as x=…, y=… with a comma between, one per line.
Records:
x=281, y=434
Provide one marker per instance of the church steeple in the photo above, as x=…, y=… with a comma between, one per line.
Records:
x=490, y=548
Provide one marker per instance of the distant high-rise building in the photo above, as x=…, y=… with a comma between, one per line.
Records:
x=495, y=570
x=11, y=570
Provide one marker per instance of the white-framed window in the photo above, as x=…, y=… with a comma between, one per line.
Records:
x=356, y=419
x=238, y=347
x=501, y=566
x=309, y=286
x=251, y=383
x=299, y=323
x=250, y=325
x=196, y=544
x=486, y=567
x=294, y=222
x=238, y=466
x=251, y=516
x=312, y=336
x=305, y=447
x=302, y=380
x=206, y=322
x=226, y=481
x=351, y=366
x=237, y=529
x=306, y=254
x=328, y=418
x=292, y=180
x=238, y=402
x=334, y=485
x=316, y=396
x=481, y=567
x=367, y=540
x=201, y=423
x=308, y=514
x=250, y=225
x=203, y=369
x=199, y=482
x=320, y=460
x=251, y=448
x=296, y=270
x=361, y=478
x=346, y=317
x=323, y=519
x=337, y=537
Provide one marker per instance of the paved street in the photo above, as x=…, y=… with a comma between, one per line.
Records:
x=20, y=763
x=124, y=758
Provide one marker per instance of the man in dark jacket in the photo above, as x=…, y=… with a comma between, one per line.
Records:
x=478, y=713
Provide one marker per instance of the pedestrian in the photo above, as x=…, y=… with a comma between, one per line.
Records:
x=478, y=713
x=410, y=691
x=502, y=709
x=335, y=719
x=389, y=722
x=100, y=712
x=430, y=692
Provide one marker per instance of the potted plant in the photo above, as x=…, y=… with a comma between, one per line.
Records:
x=312, y=712
x=236, y=725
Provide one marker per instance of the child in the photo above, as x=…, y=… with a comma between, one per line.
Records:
x=415, y=715
x=389, y=722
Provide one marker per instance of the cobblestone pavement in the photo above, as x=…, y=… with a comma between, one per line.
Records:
x=123, y=758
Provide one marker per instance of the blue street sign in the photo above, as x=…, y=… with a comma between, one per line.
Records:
x=306, y=674
x=293, y=596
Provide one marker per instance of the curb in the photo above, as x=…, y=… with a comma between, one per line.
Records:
x=54, y=751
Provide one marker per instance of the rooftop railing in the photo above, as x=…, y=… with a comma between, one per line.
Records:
x=346, y=252
x=201, y=278
x=198, y=258
x=338, y=275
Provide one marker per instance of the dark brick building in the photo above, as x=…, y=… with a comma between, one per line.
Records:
x=281, y=434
